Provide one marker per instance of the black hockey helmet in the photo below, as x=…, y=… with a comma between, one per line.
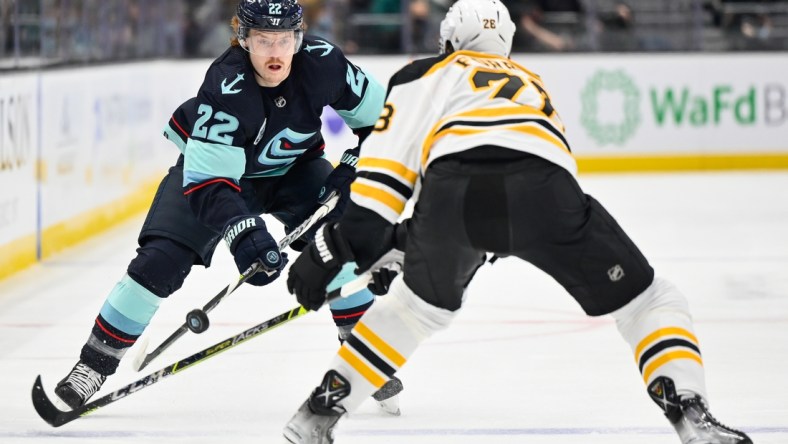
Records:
x=272, y=16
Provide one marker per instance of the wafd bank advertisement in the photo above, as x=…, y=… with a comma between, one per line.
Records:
x=627, y=112
x=669, y=105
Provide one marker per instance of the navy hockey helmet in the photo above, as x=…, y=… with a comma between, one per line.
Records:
x=270, y=16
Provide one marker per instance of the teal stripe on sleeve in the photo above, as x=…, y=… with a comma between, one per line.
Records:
x=134, y=301
x=368, y=111
x=172, y=136
x=192, y=177
x=214, y=160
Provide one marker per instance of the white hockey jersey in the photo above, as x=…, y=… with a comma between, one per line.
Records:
x=450, y=104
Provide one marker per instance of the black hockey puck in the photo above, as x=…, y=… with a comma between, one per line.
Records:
x=197, y=321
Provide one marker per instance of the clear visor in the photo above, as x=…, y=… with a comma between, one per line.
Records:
x=272, y=43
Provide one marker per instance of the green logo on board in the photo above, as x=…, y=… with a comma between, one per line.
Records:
x=610, y=109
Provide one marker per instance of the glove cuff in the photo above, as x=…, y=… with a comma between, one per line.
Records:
x=238, y=228
x=332, y=248
x=350, y=158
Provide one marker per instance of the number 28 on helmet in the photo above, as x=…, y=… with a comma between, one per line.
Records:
x=477, y=25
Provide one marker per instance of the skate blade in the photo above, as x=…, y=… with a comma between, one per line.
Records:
x=390, y=405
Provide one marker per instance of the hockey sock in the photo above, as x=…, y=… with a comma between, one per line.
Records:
x=658, y=327
x=384, y=338
x=347, y=311
x=126, y=312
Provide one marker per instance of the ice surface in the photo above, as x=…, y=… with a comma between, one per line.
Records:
x=521, y=363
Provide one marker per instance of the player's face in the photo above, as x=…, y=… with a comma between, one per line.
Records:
x=271, y=54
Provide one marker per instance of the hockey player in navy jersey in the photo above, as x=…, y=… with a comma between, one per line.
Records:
x=474, y=139
x=250, y=144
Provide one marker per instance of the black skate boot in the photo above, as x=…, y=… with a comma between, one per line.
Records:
x=690, y=418
x=314, y=421
x=79, y=385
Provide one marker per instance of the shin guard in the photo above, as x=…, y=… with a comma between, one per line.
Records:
x=384, y=338
x=658, y=327
x=122, y=319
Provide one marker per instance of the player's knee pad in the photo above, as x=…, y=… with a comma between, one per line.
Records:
x=660, y=296
x=403, y=319
x=423, y=318
x=162, y=265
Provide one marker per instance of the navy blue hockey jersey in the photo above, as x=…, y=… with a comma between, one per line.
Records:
x=235, y=128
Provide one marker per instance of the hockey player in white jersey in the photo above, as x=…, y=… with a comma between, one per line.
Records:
x=474, y=139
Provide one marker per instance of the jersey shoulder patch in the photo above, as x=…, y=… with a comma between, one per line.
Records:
x=318, y=47
x=229, y=74
x=322, y=68
x=319, y=57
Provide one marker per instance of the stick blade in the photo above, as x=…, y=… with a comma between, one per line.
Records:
x=45, y=408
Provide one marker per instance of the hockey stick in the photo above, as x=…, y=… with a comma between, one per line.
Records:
x=56, y=417
x=197, y=319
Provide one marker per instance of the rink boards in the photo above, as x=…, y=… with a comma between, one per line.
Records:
x=81, y=149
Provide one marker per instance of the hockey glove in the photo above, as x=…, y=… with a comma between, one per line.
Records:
x=381, y=280
x=249, y=241
x=388, y=265
x=339, y=180
x=317, y=266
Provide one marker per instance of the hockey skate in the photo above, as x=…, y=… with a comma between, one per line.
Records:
x=79, y=385
x=314, y=421
x=309, y=427
x=387, y=396
x=690, y=418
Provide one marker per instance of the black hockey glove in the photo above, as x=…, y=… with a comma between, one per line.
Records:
x=381, y=280
x=339, y=180
x=391, y=257
x=249, y=241
x=317, y=265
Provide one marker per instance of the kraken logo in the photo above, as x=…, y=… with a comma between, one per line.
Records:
x=279, y=152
